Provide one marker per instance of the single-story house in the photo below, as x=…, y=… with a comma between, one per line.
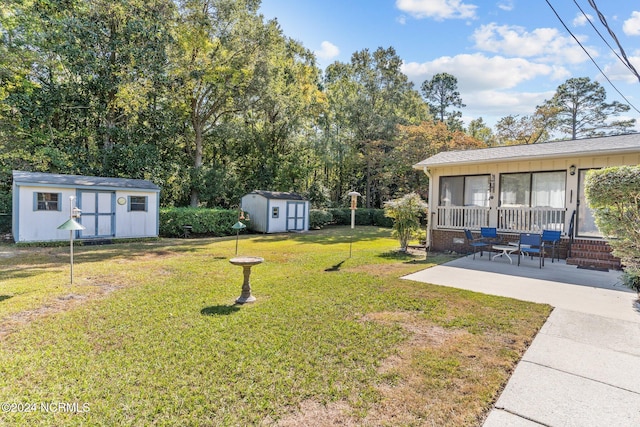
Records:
x=110, y=207
x=521, y=188
x=276, y=212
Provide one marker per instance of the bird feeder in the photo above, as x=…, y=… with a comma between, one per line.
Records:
x=239, y=226
x=72, y=225
x=354, y=205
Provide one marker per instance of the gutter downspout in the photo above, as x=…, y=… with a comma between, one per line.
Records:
x=431, y=211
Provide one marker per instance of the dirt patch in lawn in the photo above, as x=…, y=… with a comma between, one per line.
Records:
x=57, y=304
x=401, y=387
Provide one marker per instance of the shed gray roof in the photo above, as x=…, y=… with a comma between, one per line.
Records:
x=40, y=178
x=570, y=148
x=280, y=195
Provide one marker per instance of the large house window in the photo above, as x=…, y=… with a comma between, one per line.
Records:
x=533, y=189
x=464, y=190
x=47, y=201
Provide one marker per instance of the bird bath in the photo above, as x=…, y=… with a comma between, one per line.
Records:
x=246, y=262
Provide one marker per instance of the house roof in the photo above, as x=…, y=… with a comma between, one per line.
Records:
x=570, y=148
x=45, y=179
x=279, y=195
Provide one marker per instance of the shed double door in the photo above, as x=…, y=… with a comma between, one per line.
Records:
x=98, y=214
x=295, y=216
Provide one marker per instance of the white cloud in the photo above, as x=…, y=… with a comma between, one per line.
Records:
x=478, y=72
x=491, y=86
x=581, y=20
x=437, y=9
x=546, y=44
x=617, y=71
x=327, y=51
x=506, y=5
x=631, y=26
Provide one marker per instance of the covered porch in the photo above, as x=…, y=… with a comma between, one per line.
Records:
x=519, y=189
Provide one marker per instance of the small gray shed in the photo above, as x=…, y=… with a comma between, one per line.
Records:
x=276, y=212
x=111, y=207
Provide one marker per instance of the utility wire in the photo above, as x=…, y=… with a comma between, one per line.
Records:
x=606, y=25
x=590, y=57
x=602, y=37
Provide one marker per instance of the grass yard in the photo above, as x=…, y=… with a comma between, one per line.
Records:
x=149, y=335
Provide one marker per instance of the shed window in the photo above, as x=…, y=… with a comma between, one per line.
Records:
x=138, y=203
x=48, y=202
x=275, y=212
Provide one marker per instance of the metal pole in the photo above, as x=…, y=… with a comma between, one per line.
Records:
x=71, y=244
x=71, y=203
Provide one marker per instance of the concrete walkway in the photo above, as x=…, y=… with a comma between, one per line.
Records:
x=583, y=367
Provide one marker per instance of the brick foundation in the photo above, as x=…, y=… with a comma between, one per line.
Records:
x=454, y=240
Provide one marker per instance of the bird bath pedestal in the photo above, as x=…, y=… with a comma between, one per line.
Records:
x=246, y=262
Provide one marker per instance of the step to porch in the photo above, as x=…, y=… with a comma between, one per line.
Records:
x=593, y=254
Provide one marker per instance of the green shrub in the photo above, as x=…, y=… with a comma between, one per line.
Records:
x=318, y=218
x=614, y=196
x=379, y=218
x=406, y=213
x=342, y=216
x=5, y=212
x=209, y=222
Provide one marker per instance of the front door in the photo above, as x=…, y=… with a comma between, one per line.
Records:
x=98, y=214
x=295, y=216
x=585, y=224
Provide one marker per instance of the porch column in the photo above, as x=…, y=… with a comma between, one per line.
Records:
x=494, y=199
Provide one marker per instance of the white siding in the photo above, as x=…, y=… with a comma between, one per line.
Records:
x=31, y=225
x=257, y=207
x=261, y=212
x=278, y=225
x=136, y=223
x=34, y=225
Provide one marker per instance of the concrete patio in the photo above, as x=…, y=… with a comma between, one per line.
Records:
x=582, y=368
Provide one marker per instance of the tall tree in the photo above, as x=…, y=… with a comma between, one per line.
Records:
x=511, y=130
x=479, y=130
x=213, y=64
x=286, y=101
x=416, y=143
x=441, y=93
x=376, y=97
x=582, y=110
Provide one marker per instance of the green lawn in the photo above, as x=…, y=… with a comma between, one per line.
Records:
x=149, y=335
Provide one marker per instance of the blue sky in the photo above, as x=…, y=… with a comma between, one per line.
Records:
x=508, y=55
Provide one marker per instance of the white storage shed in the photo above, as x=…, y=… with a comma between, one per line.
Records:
x=111, y=207
x=276, y=212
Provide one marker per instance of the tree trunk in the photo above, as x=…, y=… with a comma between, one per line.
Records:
x=197, y=165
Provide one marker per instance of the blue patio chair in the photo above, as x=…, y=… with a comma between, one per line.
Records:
x=552, y=238
x=475, y=243
x=490, y=235
x=530, y=244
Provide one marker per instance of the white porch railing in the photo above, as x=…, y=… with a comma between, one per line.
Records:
x=523, y=219
x=510, y=219
x=459, y=217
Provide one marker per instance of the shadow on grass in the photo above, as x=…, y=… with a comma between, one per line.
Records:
x=4, y=297
x=219, y=310
x=329, y=235
x=397, y=255
x=335, y=267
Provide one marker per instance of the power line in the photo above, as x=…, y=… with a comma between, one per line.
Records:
x=590, y=57
x=601, y=36
x=624, y=54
